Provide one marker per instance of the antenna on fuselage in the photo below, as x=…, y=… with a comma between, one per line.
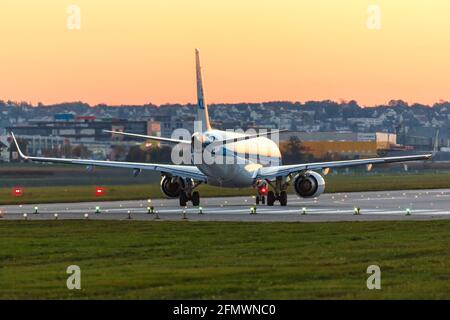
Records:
x=202, y=107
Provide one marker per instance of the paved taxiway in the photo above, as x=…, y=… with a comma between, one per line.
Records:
x=384, y=205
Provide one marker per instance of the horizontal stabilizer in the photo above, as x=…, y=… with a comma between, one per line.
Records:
x=248, y=137
x=169, y=140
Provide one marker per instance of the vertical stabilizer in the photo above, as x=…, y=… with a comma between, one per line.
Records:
x=202, y=107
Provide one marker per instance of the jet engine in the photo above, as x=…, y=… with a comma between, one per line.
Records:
x=309, y=184
x=171, y=186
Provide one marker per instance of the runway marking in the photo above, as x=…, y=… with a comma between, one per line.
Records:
x=330, y=207
x=389, y=198
x=245, y=211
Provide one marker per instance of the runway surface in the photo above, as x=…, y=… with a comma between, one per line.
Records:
x=385, y=205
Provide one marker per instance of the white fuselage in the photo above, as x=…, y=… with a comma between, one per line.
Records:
x=235, y=164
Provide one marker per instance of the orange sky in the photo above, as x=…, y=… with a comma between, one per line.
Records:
x=140, y=51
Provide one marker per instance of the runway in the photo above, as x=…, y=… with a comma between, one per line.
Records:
x=385, y=205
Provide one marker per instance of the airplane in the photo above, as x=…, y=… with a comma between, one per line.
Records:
x=271, y=181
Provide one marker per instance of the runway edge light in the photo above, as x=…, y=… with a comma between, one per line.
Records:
x=36, y=210
x=99, y=191
x=200, y=210
x=17, y=192
x=408, y=211
x=303, y=211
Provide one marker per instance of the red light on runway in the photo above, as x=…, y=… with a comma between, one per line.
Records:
x=263, y=190
x=99, y=191
x=17, y=192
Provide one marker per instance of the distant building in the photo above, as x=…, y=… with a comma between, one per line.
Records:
x=169, y=123
x=83, y=129
x=4, y=146
x=86, y=130
x=419, y=142
x=348, y=144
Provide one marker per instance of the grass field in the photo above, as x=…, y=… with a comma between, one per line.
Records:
x=186, y=260
x=132, y=191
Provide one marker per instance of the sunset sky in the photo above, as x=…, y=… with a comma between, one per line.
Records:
x=141, y=51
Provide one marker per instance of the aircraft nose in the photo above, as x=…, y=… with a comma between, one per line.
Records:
x=197, y=143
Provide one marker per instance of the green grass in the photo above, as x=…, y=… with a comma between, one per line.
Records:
x=210, y=260
x=116, y=192
x=334, y=183
x=387, y=181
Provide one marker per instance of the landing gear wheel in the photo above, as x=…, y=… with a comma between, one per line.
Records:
x=283, y=198
x=270, y=198
x=183, y=199
x=195, y=199
x=260, y=198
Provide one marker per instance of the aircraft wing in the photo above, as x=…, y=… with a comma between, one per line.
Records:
x=276, y=171
x=175, y=170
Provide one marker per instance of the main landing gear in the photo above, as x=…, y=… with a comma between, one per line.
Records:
x=193, y=196
x=272, y=197
x=183, y=189
x=188, y=194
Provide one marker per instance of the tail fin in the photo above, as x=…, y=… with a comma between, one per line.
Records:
x=202, y=107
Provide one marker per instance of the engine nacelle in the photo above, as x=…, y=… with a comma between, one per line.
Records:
x=171, y=186
x=309, y=184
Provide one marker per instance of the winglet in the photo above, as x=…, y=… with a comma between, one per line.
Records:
x=17, y=146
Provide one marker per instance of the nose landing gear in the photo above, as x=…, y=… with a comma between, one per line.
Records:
x=260, y=199
x=261, y=196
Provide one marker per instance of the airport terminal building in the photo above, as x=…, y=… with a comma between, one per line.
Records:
x=347, y=144
x=83, y=130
